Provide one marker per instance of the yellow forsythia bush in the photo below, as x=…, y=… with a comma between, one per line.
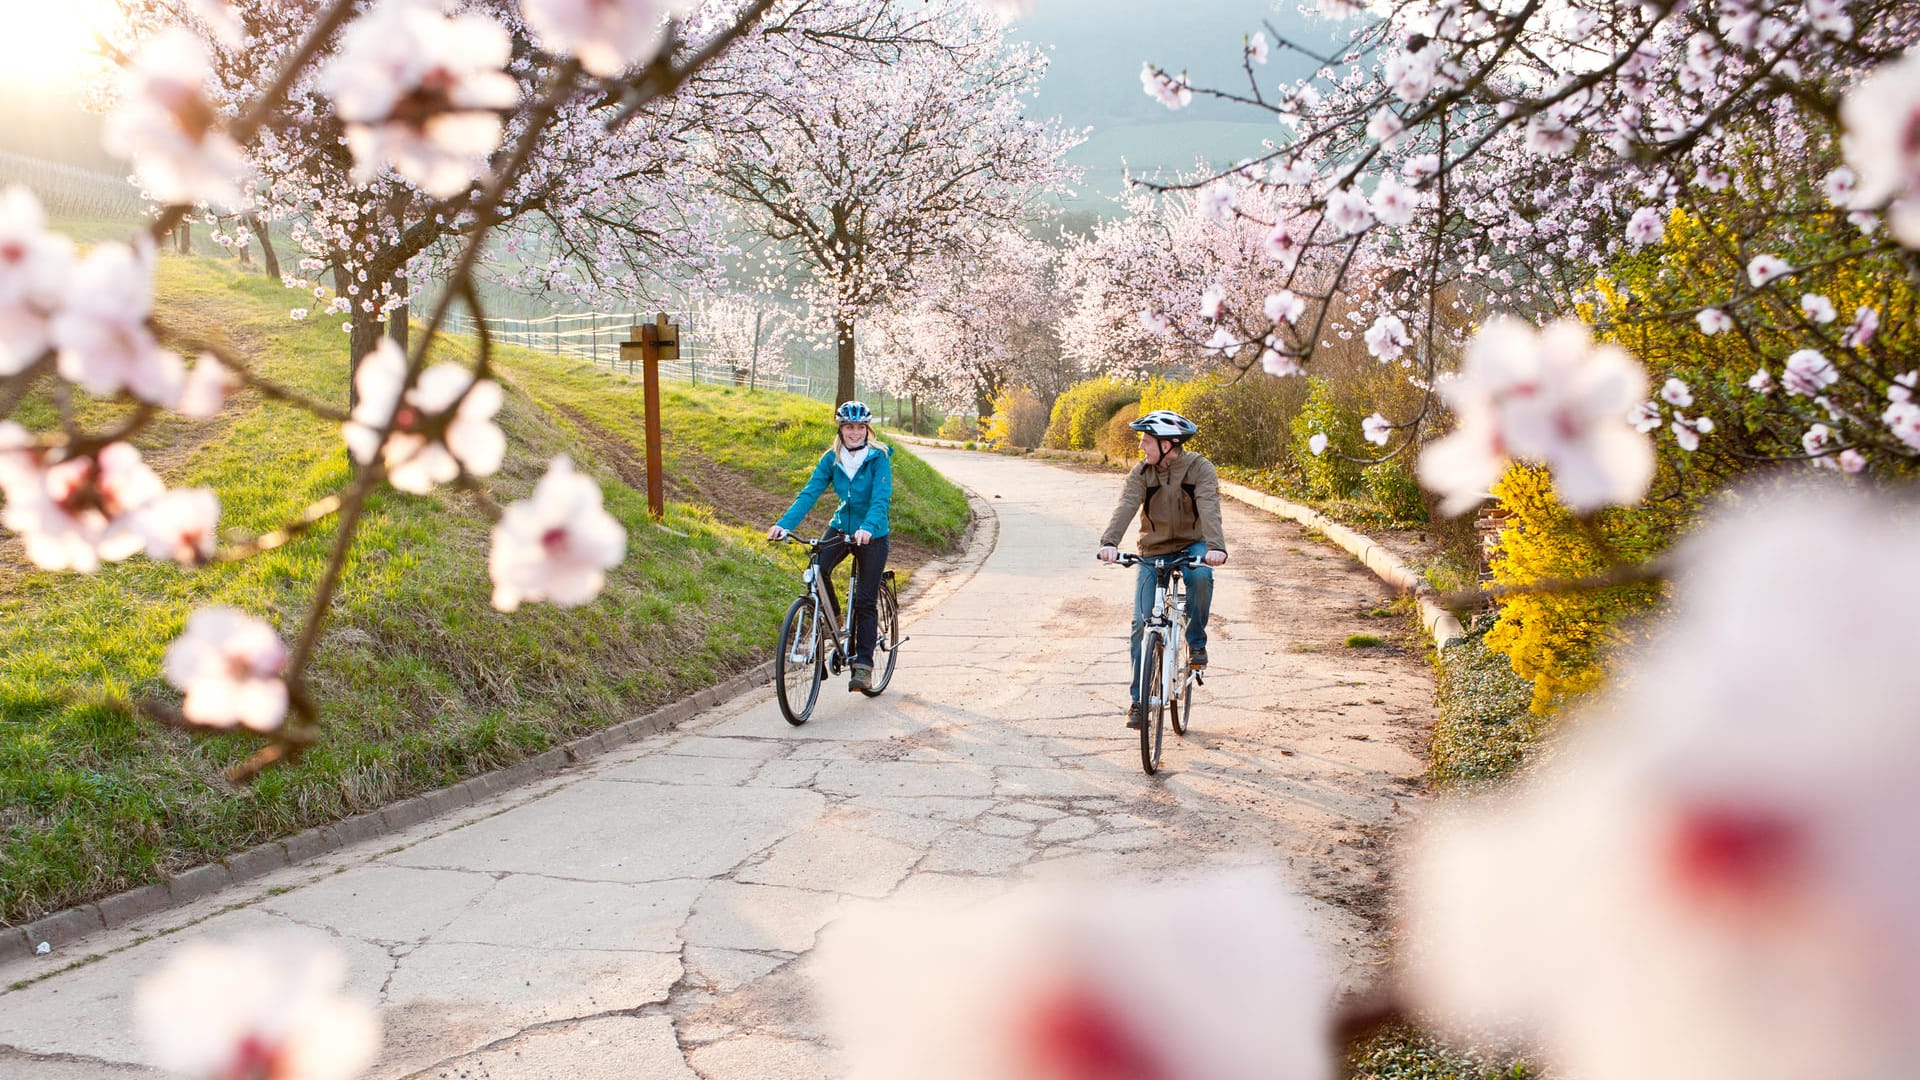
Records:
x=1019, y=418
x=1081, y=412
x=1559, y=641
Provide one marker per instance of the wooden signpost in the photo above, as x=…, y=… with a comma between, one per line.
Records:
x=654, y=342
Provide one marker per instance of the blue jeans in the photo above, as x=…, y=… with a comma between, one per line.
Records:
x=1199, y=601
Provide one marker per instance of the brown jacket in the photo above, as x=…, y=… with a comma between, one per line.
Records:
x=1179, y=504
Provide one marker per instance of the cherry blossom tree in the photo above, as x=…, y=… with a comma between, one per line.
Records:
x=749, y=334
x=862, y=162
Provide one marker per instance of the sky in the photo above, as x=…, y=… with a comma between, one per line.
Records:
x=1098, y=47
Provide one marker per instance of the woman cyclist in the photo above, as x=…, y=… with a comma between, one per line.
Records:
x=861, y=474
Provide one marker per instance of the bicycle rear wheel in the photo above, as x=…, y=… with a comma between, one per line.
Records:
x=797, y=666
x=886, y=641
x=1153, y=699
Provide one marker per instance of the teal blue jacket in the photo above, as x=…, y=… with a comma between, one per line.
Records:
x=865, y=499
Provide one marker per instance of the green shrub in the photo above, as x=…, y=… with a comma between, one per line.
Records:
x=1391, y=486
x=1082, y=412
x=1332, y=473
x=1019, y=418
x=1241, y=420
x=958, y=428
x=1117, y=440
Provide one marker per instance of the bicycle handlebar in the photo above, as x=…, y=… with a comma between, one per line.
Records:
x=1128, y=558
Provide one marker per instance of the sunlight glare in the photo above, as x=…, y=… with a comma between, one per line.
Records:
x=49, y=44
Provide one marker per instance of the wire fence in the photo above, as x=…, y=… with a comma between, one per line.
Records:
x=595, y=336
x=70, y=191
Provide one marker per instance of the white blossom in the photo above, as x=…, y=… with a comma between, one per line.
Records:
x=1157, y=324
x=1713, y=321
x=1212, y=299
x=1765, y=268
x=34, y=267
x=1377, y=429
x=416, y=462
x=1866, y=323
x=80, y=512
x=1817, y=307
x=270, y=1006
x=1410, y=74
x=1647, y=226
x=101, y=330
x=180, y=525
x=1808, y=373
x=1903, y=420
x=1385, y=127
x=1552, y=396
x=1168, y=91
x=1839, y=186
x=1257, y=47
x=1830, y=17
x=1282, y=364
x=422, y=92
x=1676, y=393
x=1347, y=211
x=231, y=667
x=1760, y=382
x=1282, y=245
x=557, y=545
x=1215, y=202
x=1393, y=204
x=1387, y=338
x=1550, y=137
x=1880, y=114
x=1214, y=978
x=167, y=128
x=1285, y=307
x=1317, y=443
x=1644, y=417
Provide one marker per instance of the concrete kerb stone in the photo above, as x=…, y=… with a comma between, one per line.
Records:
x=64, y=927
x=1440, y=623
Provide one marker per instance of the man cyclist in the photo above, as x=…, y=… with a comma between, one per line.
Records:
x=860, y=472
x=1177, y=494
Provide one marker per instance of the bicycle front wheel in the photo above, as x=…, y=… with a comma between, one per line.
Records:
x=797, y=666
x=1180, y=709
x=886, y=641
x=1153, y=699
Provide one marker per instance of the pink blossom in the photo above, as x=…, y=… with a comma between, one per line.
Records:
x=1215, y=203
x=1285, y=307
x=76, y=513
x=1168, y=91
x=1879, y=114
x=1808, y=373
x=1347, y=211
x=1866, y=323
x=1377, y=429
x=1551, y=396
x=1684, y=434
x=1903, y=420
x=166, y=127
x=180, y=525
x=556, y=546
x=269, y=1006
x=1257, y=47
x=1387, y=338
x=1817, y=440
x=1760, y=382
x=1647, y=226
x=607, y=36
x=1644, y=417
x=1549, y=137
x=1282, y=364
x=1385, y=127
x=1713, y=321
x=1421, y=166
x=1212, y=299
x=101, y=330
x=1765, y=268
x=1410, y=74
x=423, y=92
x=1852, y=461
x=1157, y=324
x=1817, y=307
x=1214, y=978
x=1222, y=342
x=1839, y=186
x=1687, y=889
x=1392, y=204
x=1674, y=392
x=1281, y=244
x=208, y=385
x=417, y=462
x=230, y=666
x=34, y=267
x=1711, y=178
x=1830, y=17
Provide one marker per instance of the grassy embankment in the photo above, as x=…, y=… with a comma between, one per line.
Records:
x=422, y=683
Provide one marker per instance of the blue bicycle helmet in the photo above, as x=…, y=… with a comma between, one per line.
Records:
x=853, y=412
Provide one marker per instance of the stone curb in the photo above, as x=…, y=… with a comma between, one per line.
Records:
x=62, y=928
x=1440, y=623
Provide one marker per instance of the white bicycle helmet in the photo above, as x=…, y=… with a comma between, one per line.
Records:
x=1166, y=424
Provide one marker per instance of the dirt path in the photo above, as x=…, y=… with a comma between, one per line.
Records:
x=652, y=912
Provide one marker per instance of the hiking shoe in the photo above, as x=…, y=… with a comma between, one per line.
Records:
x=1197, y=658
x=1136, y=716
x=862, y=678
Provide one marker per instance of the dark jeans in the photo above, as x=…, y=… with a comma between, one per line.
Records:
x=868, y=562
x=1199, y=601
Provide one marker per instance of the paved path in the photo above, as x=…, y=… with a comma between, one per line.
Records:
x=650, y=913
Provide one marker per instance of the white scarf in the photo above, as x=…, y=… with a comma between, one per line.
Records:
x=850, y=459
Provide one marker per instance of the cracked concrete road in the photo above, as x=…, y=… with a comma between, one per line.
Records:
x=651, y=912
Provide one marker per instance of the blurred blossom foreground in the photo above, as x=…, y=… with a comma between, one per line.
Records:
x=1714, y=876
x=1209, y=979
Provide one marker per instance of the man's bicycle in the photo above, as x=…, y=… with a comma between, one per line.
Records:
x=816, y=640
x=1166, y=684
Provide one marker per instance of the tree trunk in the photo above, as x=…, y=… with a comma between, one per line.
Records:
x=916, y=414
x=362, y=336
x=753, y=365
x=183, y=237
x=267, y=255
x=397, y=318
x=843, y=333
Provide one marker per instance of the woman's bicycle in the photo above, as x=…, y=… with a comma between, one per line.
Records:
x=1166, y=680
x=816, y=640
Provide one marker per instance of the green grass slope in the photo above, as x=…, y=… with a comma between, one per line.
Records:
x=422, y=682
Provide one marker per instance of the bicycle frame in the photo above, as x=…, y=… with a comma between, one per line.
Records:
x=832, y=626
x=1167, y=620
